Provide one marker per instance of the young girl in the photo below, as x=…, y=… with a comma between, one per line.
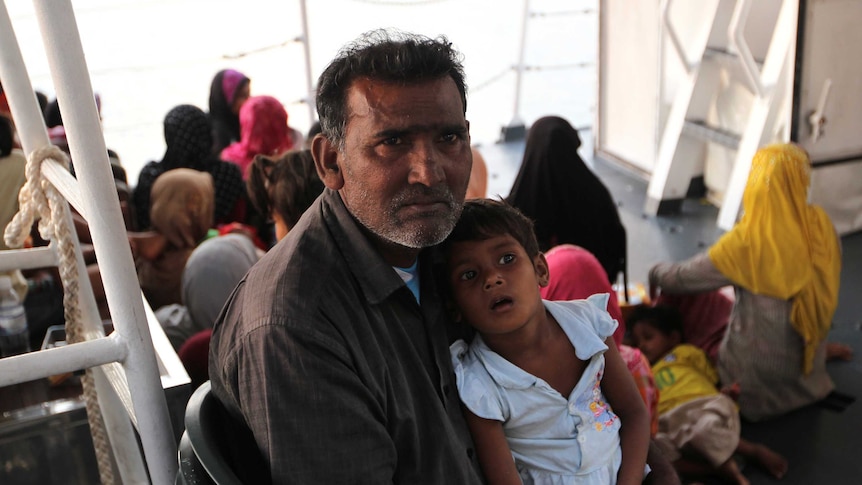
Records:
x=542, y=382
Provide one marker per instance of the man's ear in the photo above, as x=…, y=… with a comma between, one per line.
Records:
x=542, y=270
x=325, y=155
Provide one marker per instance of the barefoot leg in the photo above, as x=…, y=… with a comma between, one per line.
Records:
x=729, y=470
x=771, y=461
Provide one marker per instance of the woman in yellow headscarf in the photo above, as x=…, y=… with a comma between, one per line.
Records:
x=783, y=259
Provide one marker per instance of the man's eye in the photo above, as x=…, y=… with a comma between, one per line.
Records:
x=450, y=137
x=507, y=258
x=392, y=140
x=468, y=275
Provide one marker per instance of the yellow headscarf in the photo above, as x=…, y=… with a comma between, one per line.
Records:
x=784, y=247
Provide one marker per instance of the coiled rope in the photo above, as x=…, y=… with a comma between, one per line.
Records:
x=38, y=198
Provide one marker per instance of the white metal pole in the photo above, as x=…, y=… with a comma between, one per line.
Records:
x=31, y=130
x=519, y=71
x=311, y=96
x=19, y=92
x=75, y=96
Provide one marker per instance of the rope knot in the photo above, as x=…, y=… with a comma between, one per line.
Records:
x=33, y=198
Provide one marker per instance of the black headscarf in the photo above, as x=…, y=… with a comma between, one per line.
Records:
x=225, y=123
x=189, y=140
x=565, y=199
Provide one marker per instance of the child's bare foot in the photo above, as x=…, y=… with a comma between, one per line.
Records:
x=774, y=463
x=730, y=470
x=837, y=351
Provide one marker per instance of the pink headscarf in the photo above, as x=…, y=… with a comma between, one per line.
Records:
x=263, y=131
x=229, y=82
x=577, y=274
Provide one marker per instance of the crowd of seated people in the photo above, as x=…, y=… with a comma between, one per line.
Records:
x=234, y=181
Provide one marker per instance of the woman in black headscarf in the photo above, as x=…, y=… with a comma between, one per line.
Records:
x=188, y=137
x=228, y=91
x=567, y=201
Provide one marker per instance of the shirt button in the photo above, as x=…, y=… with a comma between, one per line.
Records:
x=582, y=438
x=572, y=408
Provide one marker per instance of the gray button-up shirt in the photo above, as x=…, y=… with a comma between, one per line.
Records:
x=323, y=353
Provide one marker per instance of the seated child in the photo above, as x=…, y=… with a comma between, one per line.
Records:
x=546, y=395
x=698, y=423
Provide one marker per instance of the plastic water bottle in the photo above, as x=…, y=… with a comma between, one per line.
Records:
x=14, y=334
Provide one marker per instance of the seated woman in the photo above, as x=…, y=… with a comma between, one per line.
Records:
x=784, y=260
x=188, y=140
x=567, y=201
x=263, y=131
x=181, y=214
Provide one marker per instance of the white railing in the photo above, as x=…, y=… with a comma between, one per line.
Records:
x=128, y=381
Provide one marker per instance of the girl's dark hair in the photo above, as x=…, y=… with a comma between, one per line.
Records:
x=485, y=218
x=664, y=318
x=286, y=186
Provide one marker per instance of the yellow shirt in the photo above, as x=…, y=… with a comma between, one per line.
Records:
x=682, y=375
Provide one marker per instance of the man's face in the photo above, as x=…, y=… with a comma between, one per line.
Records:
x=406, y=159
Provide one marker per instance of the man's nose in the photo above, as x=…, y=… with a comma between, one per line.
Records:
x=425, y=165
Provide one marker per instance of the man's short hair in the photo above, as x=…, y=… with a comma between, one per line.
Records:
x=388, y=56
x=483, y=219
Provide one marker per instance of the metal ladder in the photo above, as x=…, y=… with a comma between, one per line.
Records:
x=721, y=45
x=132, y=365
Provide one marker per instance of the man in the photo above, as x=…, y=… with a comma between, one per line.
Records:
x=333, y=350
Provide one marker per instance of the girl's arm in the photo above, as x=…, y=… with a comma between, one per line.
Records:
x=494, y=454
x=622, y=394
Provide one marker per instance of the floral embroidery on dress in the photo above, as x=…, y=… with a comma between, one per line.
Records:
x=601, y=416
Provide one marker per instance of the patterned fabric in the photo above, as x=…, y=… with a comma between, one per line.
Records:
x=784, y=247
x=263, y=131
x=639, y=366
x=189, y=139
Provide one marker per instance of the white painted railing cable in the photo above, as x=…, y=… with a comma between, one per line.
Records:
x=39, y=199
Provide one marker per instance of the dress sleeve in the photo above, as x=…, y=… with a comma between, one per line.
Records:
x=694, y=275
x=476, y=388
x=603, y=324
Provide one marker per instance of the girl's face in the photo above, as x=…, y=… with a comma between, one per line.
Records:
x=653, y=343
x=281, y=227
x=496, y=285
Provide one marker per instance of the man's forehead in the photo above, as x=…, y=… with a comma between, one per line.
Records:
x=367, y=96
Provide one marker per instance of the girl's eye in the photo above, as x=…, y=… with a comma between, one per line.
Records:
x=468, y=275
x=507, y=258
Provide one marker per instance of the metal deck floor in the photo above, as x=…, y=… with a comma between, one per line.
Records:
x=822, y=442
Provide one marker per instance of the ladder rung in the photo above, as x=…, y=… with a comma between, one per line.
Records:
x=720, y=53
x=699, y=129
x=28, y=258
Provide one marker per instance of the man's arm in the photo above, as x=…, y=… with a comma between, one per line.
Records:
x=314, y=421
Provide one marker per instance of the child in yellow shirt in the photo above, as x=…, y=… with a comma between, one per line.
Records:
x=698, y=423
